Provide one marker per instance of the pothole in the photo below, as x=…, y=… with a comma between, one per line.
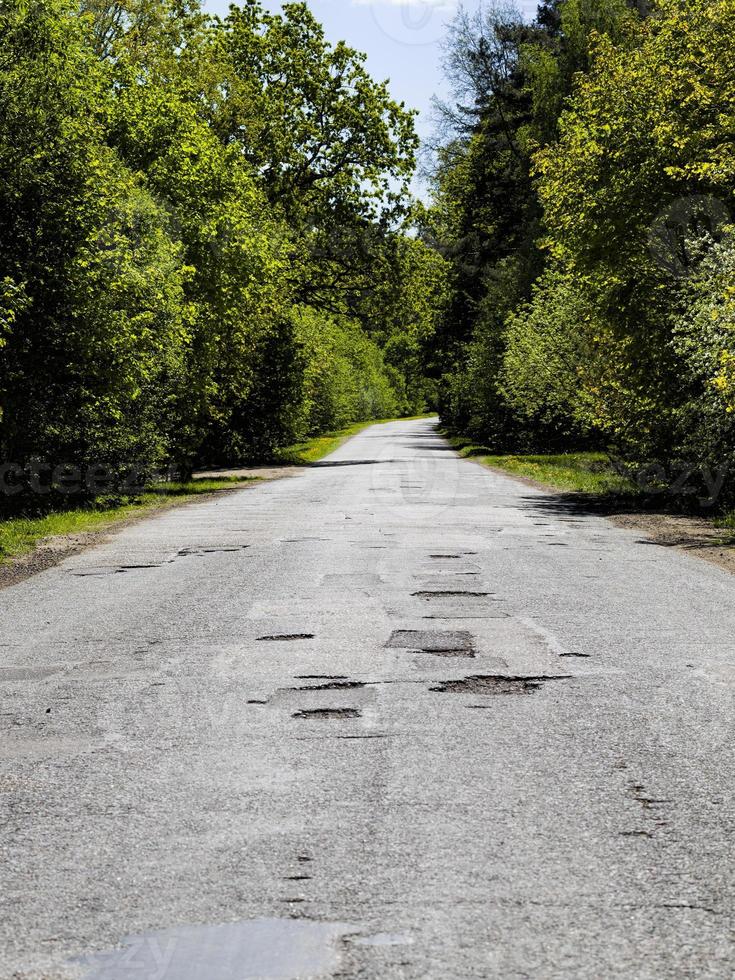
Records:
x=210, y=550
x=331, y=686
x=441, y=643
x=458, y=554
x=449, y=593
x=327, y=713
x=287, y=636
x=321, y=677
x=132, y=568
x=491, y=684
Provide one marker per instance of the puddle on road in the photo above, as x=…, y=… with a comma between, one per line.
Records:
x=266, y=949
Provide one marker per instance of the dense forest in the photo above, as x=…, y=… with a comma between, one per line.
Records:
x=583, y=180
x=208, y=245
x=210, y=249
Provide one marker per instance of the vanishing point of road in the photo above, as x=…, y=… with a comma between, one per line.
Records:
x=396, y=717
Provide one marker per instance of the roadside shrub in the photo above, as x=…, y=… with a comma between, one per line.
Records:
x=703, y=340
x=548, y=357
x=346, y=378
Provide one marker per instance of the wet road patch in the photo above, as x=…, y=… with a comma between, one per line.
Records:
x=254, y=949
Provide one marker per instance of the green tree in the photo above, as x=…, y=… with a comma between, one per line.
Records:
x=93, y=324
x=332, y=148
x=644, y=157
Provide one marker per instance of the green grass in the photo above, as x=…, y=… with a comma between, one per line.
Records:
x=727, y=523
x=312, y=450
x=580, y=472
x=20, y=535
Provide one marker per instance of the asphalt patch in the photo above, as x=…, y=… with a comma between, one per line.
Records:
x=441, y=643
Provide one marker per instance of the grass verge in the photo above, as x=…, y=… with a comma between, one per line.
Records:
x=593, y=474
x=579, y=472
x=20, y=535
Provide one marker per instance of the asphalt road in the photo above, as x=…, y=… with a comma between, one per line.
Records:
x=398, y=717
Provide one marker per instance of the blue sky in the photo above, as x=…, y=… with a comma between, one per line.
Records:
x=400, y=37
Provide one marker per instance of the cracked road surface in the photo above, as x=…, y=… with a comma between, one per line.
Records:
x=397, y=717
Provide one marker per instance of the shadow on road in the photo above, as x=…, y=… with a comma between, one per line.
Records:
x=578, y=504
x=352, y=462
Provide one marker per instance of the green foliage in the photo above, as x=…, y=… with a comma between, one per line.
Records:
x=334, y=151
x=548, y=345
x=644, y=143
x=308, y=115
x=182, y=198
x=93, y=284
x=346, y=379
x=703, y=341
x=592, y=264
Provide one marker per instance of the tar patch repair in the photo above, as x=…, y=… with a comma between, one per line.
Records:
x=441, y=643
